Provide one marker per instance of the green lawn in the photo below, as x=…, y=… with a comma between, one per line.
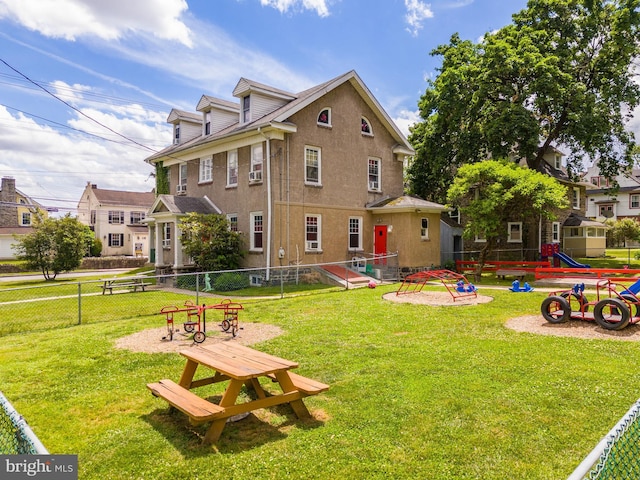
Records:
x=416, y=392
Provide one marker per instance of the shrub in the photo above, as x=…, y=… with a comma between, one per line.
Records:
x=226, y=282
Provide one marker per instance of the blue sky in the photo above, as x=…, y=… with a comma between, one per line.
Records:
x=117, y=67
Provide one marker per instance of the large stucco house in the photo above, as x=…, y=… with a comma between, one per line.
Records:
x=308, y=177
x=117, y=219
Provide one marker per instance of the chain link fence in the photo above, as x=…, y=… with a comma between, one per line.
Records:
x=16, y=437
x=64, y=304
x=617, y=456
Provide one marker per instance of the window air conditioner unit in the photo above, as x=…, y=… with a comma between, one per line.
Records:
x=373, y=185
x=312, y=245
x=255, y=176
x=181, y=189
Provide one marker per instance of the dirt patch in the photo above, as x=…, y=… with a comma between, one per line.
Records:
x=573, y=328
x=152, y=341
x=437, y=299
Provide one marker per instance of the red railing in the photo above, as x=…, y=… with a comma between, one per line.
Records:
x=492, y=266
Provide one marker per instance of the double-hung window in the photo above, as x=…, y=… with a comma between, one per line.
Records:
x=25, y=219
x=206, y=170
x=166, y=235
x=374, y=174
x=514, y=232
x=116, y=217
x=312, y=233
x=256, y=231
x=255, y=175
x=555, y=232
x=312, y=164
x=182, y=179
x=232, y=218
x=232, y=168
x=246, y=109
x=634, y=201
x=424, y=229
x=136, y=217
x=116, y=239
x=576, y=197
x=355, y=233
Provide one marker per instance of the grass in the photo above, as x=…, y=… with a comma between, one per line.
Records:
x=416, y=392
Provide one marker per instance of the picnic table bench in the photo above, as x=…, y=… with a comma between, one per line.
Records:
x=503, y=272
x=130, y=283
x=239, y=365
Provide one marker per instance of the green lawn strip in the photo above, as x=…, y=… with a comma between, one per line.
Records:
x=416, y=392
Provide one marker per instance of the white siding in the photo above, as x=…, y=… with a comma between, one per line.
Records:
x=262, y=105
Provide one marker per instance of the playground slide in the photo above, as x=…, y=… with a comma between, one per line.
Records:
x=570, y=261
x=635, y=288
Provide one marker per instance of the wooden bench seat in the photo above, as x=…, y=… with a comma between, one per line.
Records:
x=131, y=285
x=306, y=385
x=196, y=408
x=519, y=274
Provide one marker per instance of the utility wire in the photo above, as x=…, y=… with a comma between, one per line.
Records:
x=76, y=109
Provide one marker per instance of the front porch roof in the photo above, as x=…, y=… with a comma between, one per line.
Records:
x=181, y=205
x=575, y=220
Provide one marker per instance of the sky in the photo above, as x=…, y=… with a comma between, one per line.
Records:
x=86, y=86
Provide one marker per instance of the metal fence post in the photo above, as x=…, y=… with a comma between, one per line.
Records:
x=197, y=288
x=79, y=303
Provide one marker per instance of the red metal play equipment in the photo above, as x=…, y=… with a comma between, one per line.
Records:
x=455, y=283
x=615, y=306
x=196, y=318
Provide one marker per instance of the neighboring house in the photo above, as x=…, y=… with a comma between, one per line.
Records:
x=603, y=204
x=576, y=234
x=17, y=212
x=117, y=219
x=309, y=177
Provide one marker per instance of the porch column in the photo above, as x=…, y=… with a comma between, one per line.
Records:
x=158, y=243
x=177, y=246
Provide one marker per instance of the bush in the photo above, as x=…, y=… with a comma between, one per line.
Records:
x=226, y=282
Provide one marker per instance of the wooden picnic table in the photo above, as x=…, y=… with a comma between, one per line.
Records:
x=130, y=283
x=239, y=365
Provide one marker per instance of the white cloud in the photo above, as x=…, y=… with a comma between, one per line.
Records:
x=417, y=12
x=108, y=20
x=320, y=6
x=405, y=119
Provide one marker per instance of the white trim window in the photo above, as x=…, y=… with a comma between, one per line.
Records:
x=116, y=217
x=256, y=222
x=182, y=178
x=116, y=240
x=424, y=228
x=557, y=161
x=480, y=238
x=136, y=217
x=312, y=165
x=232, y=218
x=555, y=232
x=232, y=168
x=514, y=232
x=206, y=170
x=355, y=234
x=246, y=109
x=207, y=123
x=313, y=231
x=365, y=127
x=166, y=235
x=25, y=219
x=634, y=201
x=576, y=198
x=324, y=117
x=176, y=134
x=257, y=159
x=374, y=174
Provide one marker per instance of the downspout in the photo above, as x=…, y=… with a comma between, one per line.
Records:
x=269, y=199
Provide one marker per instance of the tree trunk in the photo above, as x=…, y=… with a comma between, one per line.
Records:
x=482, y=258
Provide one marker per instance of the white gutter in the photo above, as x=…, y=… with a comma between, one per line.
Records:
x=269, y=221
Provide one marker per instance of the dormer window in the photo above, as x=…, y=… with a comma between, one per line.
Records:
x=557, y=162
x=176, y=134
x=246, y=109
x=365, y=127
x=324, y=118
x=207, y=123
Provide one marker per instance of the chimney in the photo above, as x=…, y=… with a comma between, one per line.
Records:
x=8, y=207
x=8, y=193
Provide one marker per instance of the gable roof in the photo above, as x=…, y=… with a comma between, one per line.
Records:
x=180, y=115
x=121, y=197
x=180, y=205
x=279, y=118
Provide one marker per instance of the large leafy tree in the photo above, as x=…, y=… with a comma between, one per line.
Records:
x=55, y=245
x=491, y=193
x=209, y=241
x=561, y=74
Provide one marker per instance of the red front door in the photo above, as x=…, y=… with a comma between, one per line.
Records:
x=380, y=241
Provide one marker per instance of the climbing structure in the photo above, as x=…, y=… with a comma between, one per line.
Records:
x=455, y=283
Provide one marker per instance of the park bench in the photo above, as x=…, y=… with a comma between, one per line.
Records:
x=503, y=272
x=133, y=284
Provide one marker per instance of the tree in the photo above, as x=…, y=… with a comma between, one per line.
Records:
x=491, y=193
x=209, y=241
x=56, y=245
x=623, y=230
x=561, y=74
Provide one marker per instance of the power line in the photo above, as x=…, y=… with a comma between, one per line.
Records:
x=76, y=109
